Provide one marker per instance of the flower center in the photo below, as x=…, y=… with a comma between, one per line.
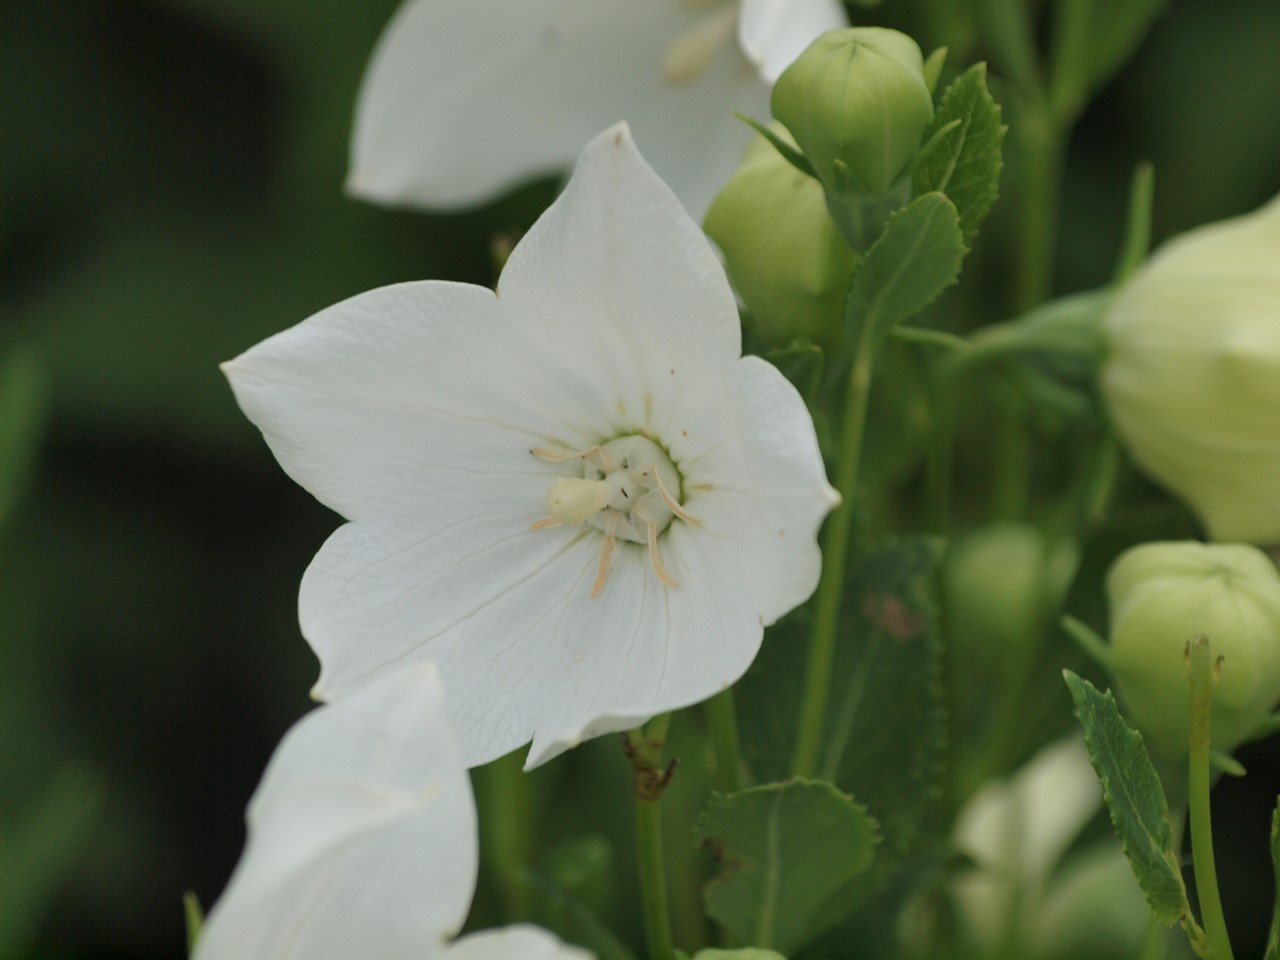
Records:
x=628, y=490
x=692, y=52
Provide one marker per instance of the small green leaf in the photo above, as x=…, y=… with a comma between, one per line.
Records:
x=788, y=850
x=1273, y=941
x=787, y=150
x=1135, y=799
x=965, y=164
x=916, y=258
x=933, y=65
x=194, y=916
x=1137, y=232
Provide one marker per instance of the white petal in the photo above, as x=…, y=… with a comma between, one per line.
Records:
x=763, y=497
x=774, y=32
x=464, y=98
x=361, y=834
x=414, y=399
x=624, y=288
x=514, y=943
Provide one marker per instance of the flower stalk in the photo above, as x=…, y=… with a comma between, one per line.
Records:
x=1205, y=672
x=834, y=557
x=508, y=822
x=643, y=747
x=722, y=722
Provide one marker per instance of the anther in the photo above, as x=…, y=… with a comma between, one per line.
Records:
x=606, y=556
x=671, y=502
x=655, y=560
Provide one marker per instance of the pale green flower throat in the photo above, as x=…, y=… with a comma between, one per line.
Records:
x=625, y=491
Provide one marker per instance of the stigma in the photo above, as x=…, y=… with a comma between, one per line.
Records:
x=628, y=490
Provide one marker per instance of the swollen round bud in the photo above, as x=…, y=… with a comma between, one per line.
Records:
x=1192, y=372
x=1001, y=583
x=785, y=256
x=857, y=97
x=1164, y=594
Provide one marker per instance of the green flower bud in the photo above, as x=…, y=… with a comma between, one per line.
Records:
x=858, y=96
x=1163, y=594
x=1192, y=372
x=1000, y=584
x=751, y=953
x=784, y=255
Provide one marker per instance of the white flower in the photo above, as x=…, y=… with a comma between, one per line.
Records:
x=463, y=98
x=362, y=841
x=470, y=436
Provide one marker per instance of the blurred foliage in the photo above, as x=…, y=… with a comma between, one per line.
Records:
x=170, y=193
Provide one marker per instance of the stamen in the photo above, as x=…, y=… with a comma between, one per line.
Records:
x=692, y=52
x=671, y=503
x=656, y=560
x=546, y=523
x=552, y=456
x=606, y=556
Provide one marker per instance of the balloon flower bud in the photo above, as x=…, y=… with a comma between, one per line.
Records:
x=857, y=102
x=1001, y=583
x=1162, y=595
x=784, y=255
x=1192, y=372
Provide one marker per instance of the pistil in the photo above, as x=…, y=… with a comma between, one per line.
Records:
x=625, y=492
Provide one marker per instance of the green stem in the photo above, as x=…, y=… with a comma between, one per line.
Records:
x=722, y=721
x=834, y=556
x=1204, y=676
x=508, y=828
x=1043, y=146
x=646, y=759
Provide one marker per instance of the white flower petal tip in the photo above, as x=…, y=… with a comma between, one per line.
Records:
x=543, y=76
x=774, y=32
x=514, y=943
x=361, y=833
x=577, y=497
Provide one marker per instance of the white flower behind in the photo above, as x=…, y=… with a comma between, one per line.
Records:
x=464, y=98
x=574, y=495
x=362, y=841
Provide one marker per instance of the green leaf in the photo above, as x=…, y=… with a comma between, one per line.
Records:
x=788, y=151
x=1135, y=798
x=23, y=398
x=1273, y=941
x=788, y=850
x=885, y=733
x=1137, y=232
x=966, y=163
x=916, y=258
x=885, y=730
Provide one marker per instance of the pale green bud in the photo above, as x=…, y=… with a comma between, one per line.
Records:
x=857, y=96
x=750, y=953
x=1192, y=372
x=1162, y=595
x=1001, y=583
x=784, y=255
